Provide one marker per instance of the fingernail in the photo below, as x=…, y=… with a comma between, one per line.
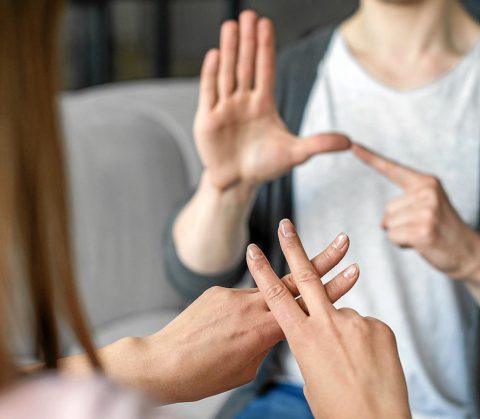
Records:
x=287, y=228
x=254, y=252
x=351, y=272
x=340, y=241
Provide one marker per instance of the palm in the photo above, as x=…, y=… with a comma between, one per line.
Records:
x=243, y=139
x=239, y=134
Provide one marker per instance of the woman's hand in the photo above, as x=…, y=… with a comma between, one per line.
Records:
x=219, y=342
x=424, y=219
x=350, y=363
x=239, y=133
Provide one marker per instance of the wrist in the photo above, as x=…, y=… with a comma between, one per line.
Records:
x=134, y=362
x=469, y=266
x=241, y=194
x=161, y=368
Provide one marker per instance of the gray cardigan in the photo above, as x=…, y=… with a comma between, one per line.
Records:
x=297, y=70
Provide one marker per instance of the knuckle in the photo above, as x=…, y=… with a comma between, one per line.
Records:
x=306, y=276
x=379, y=327
x=432, y=182
x=275, y=292
x=348, y=312
x=384, y=331
x=330, y=253
x=214, y=291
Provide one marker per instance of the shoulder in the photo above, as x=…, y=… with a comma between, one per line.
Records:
x=52, y=397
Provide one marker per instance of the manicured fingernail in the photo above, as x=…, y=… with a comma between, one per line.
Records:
x=340, y=241
x=254, y=252
x=351, y=272
x=287, y=228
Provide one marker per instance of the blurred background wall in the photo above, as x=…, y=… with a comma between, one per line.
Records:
x=116, y=40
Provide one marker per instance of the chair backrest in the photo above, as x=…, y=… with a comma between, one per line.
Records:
x=131, y=159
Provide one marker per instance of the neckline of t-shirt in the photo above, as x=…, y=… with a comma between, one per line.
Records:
x=425, y=88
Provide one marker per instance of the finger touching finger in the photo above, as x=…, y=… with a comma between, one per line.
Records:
x=303, y=272
x=324, y=262
x=279, y=300
x=305, y=148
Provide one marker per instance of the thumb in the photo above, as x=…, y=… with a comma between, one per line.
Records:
x=305, y=148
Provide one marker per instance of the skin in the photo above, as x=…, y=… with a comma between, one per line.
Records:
x=243, y=142
x=423, y=218
x=407, y=44
x=216, y=344
x=350, y=363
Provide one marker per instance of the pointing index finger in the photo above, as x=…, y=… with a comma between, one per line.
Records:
x=403, y=176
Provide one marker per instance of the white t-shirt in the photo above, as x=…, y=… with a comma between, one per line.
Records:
x=435, y=129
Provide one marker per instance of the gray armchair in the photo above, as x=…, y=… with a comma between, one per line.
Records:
x=131, y=159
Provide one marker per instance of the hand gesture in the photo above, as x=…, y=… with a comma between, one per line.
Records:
x=220, y=340
x=424, y=219
x=350, y=363
x=239, y=133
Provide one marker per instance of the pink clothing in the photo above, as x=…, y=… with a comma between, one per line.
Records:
x=51, y=397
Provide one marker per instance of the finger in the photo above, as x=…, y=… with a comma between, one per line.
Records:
x=401, y=203
x=228, y=58
x=404, y=236
x=279, y=300
x=305, y=148
x=405, y=217
x=246, y=56
x=323, y=262
x=208, y=80
x=337, y=287
x=304, y=274
x=397, y=173
x=265, y=64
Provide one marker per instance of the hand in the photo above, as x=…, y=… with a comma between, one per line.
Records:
x=350, y=363
x=219, y=342
x=239, y=133
x=424, y=219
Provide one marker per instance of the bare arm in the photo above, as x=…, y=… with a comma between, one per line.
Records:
x=211, y=232
x=242, y=143
x=231, y=328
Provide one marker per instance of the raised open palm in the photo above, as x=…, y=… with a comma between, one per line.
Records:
x=239, y=133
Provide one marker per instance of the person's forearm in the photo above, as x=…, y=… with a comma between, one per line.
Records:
x=127, y=362
x=211, y=232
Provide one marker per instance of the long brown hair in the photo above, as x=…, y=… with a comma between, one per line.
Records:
x=34, y=225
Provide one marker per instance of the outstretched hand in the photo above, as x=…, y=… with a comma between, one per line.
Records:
x=350, y=363
x=423, y=218
x=239, y=133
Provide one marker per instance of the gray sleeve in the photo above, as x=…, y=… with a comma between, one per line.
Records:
x=188, y=283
